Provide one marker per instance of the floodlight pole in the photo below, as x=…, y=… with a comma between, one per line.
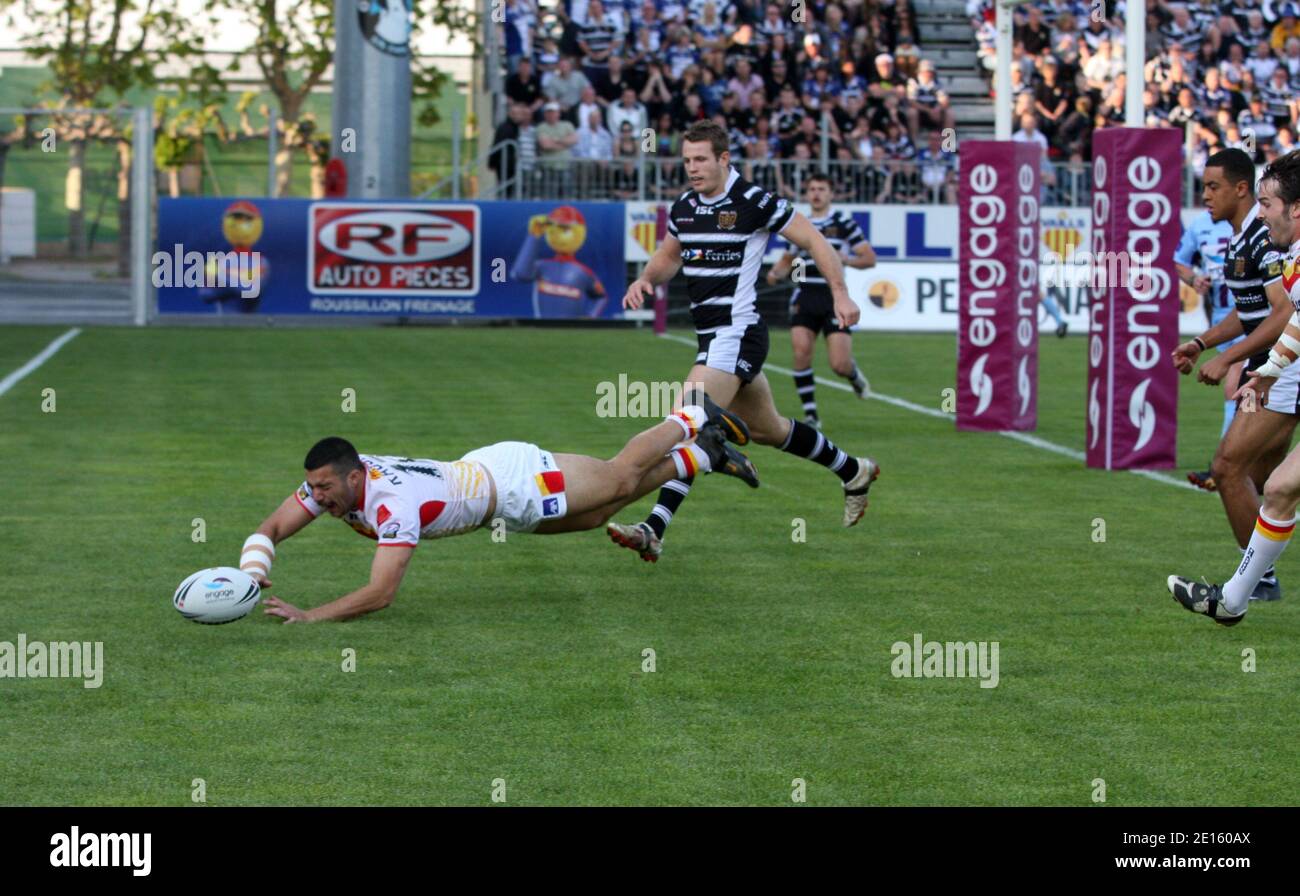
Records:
x=1135, y=57
x=142, y=195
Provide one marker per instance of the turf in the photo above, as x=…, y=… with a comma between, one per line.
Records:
x=522, y=661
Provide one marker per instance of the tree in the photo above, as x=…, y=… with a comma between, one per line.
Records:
x=294, y=49
x=97, y=52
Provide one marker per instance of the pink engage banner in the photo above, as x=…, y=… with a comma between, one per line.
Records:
x=998, y=202
x=1132, y=397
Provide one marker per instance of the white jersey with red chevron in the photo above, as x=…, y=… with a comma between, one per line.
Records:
x=1291, y=274
x=405, y=499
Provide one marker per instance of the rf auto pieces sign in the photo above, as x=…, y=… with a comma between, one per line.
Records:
x=997, y=318
x=1132, y=397
x=393, y=249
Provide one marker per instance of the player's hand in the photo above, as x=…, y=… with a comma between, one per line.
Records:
x=1214, y=370
x=637, y=294
x=262, y=581
x=537, y=225
x=1184, y=357
x=772, y=278
x=1201, y=284
x=287, y=611
x=1257, y=386
x=846, y=311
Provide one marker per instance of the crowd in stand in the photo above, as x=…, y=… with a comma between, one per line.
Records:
x=1226, y=72
x=594, y=86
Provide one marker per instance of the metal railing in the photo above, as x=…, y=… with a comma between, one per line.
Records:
x=650, y=177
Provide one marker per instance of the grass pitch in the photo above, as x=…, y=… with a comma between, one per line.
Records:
x=523, y=661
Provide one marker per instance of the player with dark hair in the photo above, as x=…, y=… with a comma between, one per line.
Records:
x=1279, y=209
x=717, y=234
x=398, y=501
x=1255, y=442
x=812, y=308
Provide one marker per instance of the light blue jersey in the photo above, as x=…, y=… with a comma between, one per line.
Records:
x=1210, y=240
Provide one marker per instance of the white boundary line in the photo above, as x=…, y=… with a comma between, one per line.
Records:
x=1024, y=438
x=12, y=379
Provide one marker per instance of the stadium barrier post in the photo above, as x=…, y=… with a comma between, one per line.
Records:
x=272, y=138
x=142, y=202
x=455, y=154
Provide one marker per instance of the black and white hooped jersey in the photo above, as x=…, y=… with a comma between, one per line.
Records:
x=1249, y=266
x=723, y=240
x=844, y=235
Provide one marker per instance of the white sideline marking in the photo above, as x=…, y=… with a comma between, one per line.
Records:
x=1033, y=441
x=12, y=379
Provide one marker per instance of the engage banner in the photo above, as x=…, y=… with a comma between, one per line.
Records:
x=1132, y=397
x=997, y=315
x=390, y=258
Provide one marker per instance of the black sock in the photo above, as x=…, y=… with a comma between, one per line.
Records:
x=671, y=497
x=852, y=374
x=804, y=441
x=804, y=385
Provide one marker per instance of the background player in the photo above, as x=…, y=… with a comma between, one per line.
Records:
x=397, y=501
x=1279, y=208
x=717, y=233
x=1256, y=442
x=1199, y=262
x=812, y=308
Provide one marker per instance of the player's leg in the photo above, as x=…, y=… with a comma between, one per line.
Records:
x=1274, y=525
x=803, y=342
x=721, y=386
x=1049, y=302
x=839, y=346
x=595, y=489
x=767, y=427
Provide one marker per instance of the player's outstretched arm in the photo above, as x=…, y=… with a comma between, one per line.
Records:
x=1185, y=355
x=801, y=232
x=259, y=548
x=863, y=257
x=663, y=266
x=386, y=572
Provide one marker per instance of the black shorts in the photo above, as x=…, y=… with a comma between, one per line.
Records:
x=815, y=309
x=740, y=349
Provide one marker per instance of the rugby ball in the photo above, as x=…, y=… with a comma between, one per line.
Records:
x=217, y=595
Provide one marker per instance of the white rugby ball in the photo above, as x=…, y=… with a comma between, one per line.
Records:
x=217, y=595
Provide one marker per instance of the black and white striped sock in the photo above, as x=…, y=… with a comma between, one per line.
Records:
x=804, y=385
x=671, y=496
x=804, y=441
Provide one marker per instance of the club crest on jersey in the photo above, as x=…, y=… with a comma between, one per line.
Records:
x=727, y=220
x=1239, y=268
x=550, y=506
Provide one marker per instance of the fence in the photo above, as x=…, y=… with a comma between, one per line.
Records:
x=646, y=176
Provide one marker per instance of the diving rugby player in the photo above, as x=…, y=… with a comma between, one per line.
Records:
x=399, y=501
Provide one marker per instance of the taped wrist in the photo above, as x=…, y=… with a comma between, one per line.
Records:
x=257, y=555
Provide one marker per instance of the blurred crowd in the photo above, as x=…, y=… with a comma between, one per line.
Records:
x=592, y=82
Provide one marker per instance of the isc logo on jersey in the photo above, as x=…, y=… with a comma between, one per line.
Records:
x=393, y=248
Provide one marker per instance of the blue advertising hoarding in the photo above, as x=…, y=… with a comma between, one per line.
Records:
x=550, y=260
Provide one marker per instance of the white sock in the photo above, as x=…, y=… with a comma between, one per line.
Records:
x=1267, y=542
x=690, y=419
x=690, y=459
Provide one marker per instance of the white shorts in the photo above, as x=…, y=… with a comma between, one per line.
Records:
x=530, y=486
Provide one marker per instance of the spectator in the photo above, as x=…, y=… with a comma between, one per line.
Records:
x=1288, y=27
x=565, y=85
x=1074, y=136
x=555, y=139
x=744, y=83
x=938, y=169
x=506, y=158
x=521, y=19
x=586, y=105
x=595, y=143
x=1052, y=99
x=927, y=101
x=598, y=35
x=1029, y=132
x=629, y=110
x=1034, y=35
x=656, y=94
x=524, y=86
x=681, y=54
